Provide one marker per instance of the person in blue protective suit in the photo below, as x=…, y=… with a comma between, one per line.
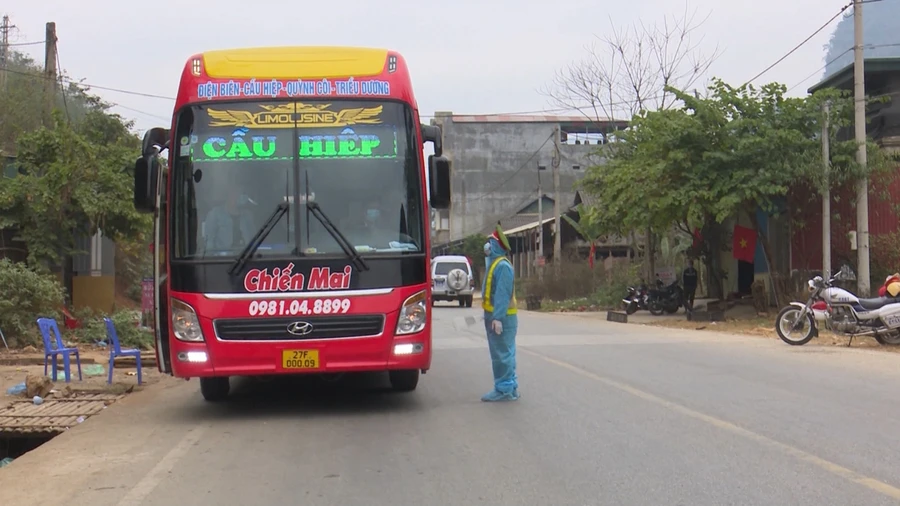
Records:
x=498, y=300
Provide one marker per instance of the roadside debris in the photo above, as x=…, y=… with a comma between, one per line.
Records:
x=37, y=385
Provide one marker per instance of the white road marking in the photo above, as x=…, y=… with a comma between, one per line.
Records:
x=149, y=482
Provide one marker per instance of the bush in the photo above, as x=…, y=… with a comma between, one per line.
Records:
x=578, y=285
x=130, y=335
x=575, y=279
x=609, y=294
x=885, y=258
x=27, y=296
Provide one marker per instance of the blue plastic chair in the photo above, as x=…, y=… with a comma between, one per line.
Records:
x=116, y=350
x=53, y=346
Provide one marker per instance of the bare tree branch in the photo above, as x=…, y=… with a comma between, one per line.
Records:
x=627, y=70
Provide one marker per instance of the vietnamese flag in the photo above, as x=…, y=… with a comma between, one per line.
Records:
x=744, y=245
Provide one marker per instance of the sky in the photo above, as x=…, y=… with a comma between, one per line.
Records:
x=465, y=56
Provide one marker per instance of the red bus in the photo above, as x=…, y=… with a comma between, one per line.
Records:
x=291, y=220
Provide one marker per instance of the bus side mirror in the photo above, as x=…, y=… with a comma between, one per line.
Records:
x=155, y=140
x=431, y=133
x=146, y=173
x=439, y=180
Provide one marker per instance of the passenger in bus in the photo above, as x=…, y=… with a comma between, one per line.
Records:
x=498, y=299
x=227, y=226
x=368, y=229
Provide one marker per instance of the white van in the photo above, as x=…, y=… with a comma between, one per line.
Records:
x=452, y=279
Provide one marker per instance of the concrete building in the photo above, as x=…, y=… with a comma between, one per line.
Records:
x=499, y=162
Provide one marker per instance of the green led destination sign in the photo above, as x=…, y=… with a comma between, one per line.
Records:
x=346, y=145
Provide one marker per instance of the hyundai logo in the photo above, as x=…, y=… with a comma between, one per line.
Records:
x=300, y=328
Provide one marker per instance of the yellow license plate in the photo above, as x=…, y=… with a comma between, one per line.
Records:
x=300, y=359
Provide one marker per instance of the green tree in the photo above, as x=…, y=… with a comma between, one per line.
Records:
x=72, y=183
x=723, y=156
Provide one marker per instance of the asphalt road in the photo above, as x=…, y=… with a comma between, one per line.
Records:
x=610, y=414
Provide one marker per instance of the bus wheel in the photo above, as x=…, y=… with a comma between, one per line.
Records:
x=215, y=389
x=405, y=380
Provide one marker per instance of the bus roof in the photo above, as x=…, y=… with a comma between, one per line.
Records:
x=295, y=62
x=295, y=72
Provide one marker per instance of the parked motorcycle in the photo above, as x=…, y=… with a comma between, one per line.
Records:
x=844, y=313
x=666, y=299
x=635, y=298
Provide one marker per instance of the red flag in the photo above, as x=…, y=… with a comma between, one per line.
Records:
x=698, y=238
x=591, y=258
x=744, y=245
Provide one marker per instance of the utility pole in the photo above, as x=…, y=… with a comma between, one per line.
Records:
x=50, y=84
x=5, y=27
x=826, y=196
x=862, y=199
x=540, y=259
x=557, y=245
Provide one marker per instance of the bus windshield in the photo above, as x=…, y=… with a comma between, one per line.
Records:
x=236, y=162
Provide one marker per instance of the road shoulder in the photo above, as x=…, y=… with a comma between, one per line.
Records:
x=124, y=441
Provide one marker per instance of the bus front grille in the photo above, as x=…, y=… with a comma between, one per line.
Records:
x=277, y=329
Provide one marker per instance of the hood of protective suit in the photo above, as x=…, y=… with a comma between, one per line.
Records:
x=497, y=250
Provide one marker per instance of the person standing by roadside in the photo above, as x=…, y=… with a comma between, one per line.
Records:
x=689, y=281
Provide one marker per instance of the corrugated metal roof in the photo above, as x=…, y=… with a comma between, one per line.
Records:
x=516, y=220
x=582, y=197
x=529, y=226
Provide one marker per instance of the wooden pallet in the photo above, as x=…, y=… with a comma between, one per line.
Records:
x=53, y=416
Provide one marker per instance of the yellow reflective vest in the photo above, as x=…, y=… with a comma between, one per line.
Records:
x=486, y=296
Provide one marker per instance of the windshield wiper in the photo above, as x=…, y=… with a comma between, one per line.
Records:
x=348, y=248
x=257, y=239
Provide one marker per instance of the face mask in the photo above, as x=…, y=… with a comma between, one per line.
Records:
x=487, y=249
x=373, y=214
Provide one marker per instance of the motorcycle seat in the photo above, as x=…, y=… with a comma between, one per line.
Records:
x=877, y=303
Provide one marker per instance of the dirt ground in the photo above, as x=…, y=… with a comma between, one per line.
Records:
x=16, y=365
x=764, y=327
x=742, y=320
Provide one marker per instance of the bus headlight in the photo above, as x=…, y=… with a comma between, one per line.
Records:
x=412, y=315
x=185, y=324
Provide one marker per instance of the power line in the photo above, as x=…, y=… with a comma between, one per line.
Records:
x=145, y=113
x=36, y=75
x=514, y=174
x=89, y=85
x=798, y=46
x=504, y=214
x=838, y=57
x=823, y=67
x=26, y=43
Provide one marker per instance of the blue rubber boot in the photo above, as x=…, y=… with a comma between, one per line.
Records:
x=498, y=396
